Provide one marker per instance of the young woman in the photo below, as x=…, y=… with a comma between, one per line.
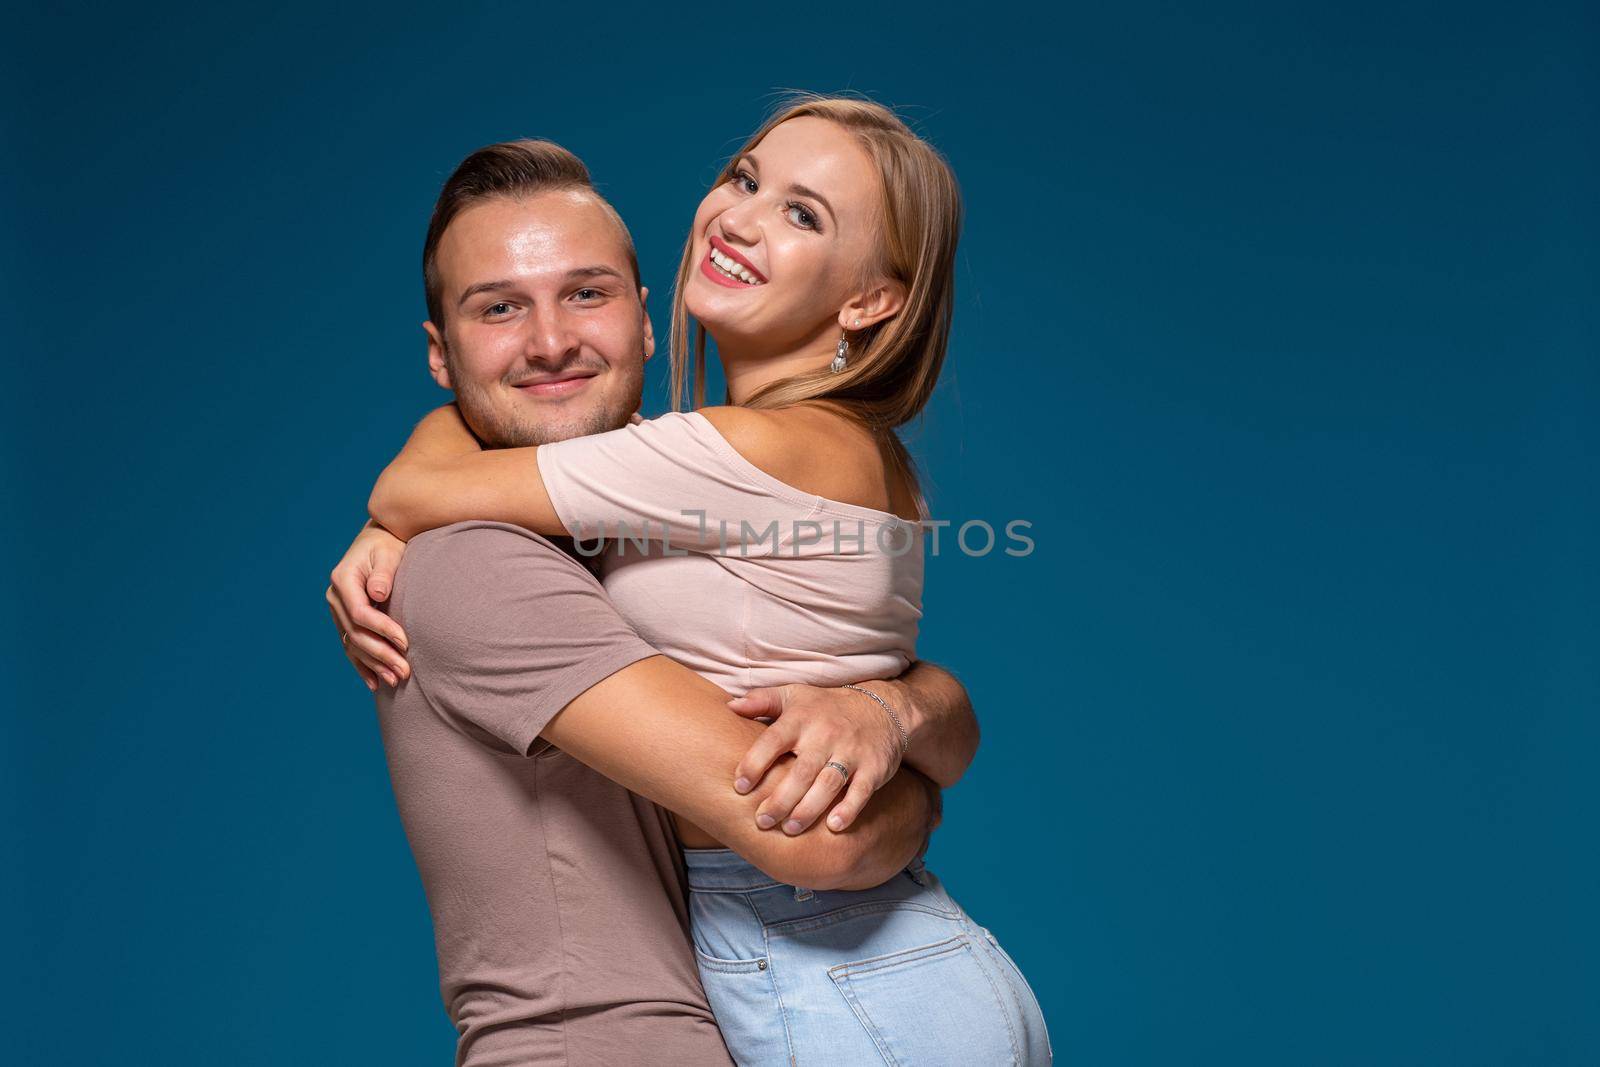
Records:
x=822, y=264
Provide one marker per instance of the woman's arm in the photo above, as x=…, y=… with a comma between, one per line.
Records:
x=372, y=641
x=443, y=475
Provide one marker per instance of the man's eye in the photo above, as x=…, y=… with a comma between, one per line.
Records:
x=587, y=294
x=499, y=308
x=801, y=216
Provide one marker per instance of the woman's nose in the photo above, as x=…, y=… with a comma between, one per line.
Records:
x=739, y=222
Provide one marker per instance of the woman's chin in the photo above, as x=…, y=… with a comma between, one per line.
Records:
x=716, y=312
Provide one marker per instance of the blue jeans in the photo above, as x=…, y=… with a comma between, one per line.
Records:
x=895, y=975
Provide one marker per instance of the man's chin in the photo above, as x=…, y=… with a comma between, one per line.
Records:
x=521, y=428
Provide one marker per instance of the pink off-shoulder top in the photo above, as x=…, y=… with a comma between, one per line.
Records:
x=731, y=572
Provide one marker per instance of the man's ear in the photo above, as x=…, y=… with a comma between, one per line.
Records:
x=882, y=299
x=649, y=330
x=436, y=361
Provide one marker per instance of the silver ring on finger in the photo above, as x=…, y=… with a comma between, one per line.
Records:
x=841, y=768
x=344, y=638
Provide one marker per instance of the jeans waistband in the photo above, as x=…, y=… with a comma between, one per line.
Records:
x=712, y=869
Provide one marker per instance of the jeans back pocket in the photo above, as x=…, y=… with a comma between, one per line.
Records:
x=930, y=1005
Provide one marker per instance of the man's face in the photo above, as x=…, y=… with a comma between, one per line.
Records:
x=545, y=336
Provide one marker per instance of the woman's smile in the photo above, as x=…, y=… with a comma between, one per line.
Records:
x=726, y=267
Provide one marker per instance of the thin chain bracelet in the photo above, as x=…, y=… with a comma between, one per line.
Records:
x=905, y=738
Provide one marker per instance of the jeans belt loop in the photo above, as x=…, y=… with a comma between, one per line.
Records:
x=802, y=894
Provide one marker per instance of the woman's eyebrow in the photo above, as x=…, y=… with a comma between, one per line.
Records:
x=813, y=194
x=801, y=190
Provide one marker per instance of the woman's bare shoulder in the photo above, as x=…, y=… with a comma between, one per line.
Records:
x=812, y=448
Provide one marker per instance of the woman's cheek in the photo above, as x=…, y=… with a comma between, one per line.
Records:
x=709, y=208
x=806, y=271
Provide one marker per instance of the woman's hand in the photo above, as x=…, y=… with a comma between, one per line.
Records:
x=373, y=642
x=817, y=725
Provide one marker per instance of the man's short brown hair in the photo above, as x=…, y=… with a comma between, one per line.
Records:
x=515, y=169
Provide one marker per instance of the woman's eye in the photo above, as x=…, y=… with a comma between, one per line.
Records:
x=744, y=182
x=800, y=216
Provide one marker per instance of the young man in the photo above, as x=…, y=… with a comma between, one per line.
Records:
x=530, y=708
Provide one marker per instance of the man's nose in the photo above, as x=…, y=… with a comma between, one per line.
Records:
x=551, y=335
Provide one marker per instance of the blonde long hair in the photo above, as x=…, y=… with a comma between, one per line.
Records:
x=893, y=364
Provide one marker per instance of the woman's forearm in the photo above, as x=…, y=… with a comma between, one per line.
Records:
x=444, y=476
x=442, y=434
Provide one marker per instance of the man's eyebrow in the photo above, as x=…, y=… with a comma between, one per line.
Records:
x=598, y=271
x=485, y=287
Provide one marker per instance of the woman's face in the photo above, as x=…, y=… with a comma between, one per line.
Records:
x=780, y=249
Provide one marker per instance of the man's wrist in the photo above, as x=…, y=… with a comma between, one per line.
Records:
x=899, y=696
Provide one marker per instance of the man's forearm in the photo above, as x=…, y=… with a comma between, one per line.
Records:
x=938, y=716
x=895, y=823
x=664, y=732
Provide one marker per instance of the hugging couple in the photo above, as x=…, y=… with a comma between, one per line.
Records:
x=669, y=796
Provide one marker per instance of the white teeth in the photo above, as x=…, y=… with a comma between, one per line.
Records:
x=728, y=266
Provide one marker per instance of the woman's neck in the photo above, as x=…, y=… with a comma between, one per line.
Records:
x=747, y=369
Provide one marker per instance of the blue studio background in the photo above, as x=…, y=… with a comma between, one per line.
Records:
x=1276, y=321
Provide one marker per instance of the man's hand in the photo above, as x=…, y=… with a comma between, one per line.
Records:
x=821, y=727
x=373, y=642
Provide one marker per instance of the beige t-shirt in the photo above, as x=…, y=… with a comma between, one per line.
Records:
x=558, y=898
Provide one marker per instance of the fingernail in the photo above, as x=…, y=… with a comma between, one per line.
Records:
x=389, y=678
x=371, y=684
x=766, y=822
x=742, y=786
x=834, y=822
x=792, y=826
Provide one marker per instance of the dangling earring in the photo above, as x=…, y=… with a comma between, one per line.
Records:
x=839, y=355
x=842, y=352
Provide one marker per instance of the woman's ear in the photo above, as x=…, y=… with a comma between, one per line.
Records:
x=437, y=366
x=871, y=306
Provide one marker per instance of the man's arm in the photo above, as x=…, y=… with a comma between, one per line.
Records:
x=662, y=731
x=513, y=639
x=938, y=715
x=929, y=702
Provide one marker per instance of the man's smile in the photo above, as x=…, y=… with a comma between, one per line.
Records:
x=556, y=385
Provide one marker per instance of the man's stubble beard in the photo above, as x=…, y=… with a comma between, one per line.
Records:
x=514, y=429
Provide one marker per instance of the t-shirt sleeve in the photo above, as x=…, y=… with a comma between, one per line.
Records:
x=673, y=478
x=505, y=629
